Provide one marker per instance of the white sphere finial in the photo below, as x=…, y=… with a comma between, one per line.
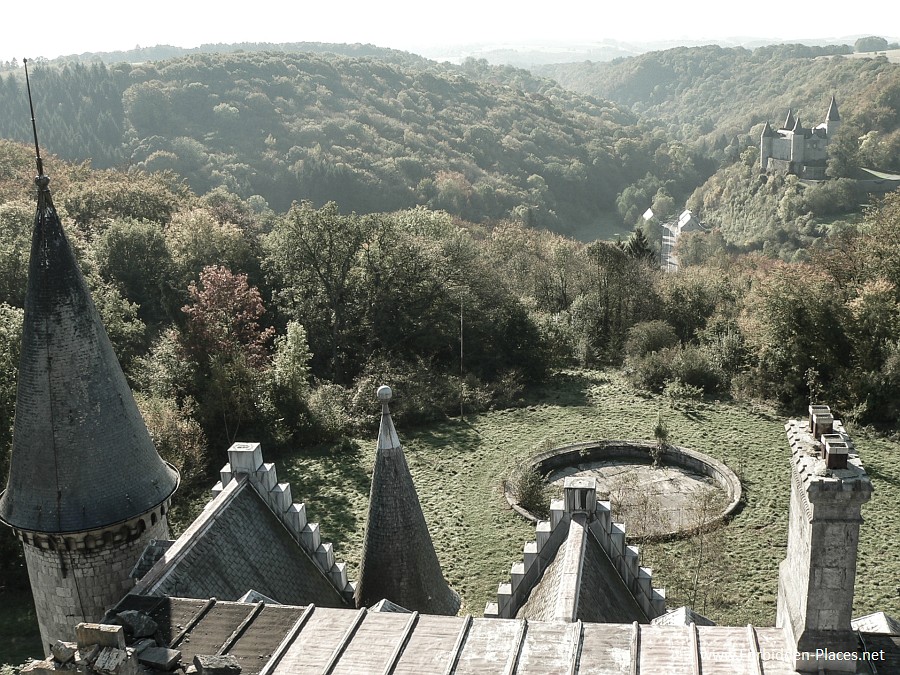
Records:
x=384, y=393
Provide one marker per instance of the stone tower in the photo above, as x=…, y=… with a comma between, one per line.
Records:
x=816, y=579
x=87, y=490
x=398, y=558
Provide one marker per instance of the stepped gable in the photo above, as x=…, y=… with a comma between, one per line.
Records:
x=250, y=537
x=579, y=568
x=398, y=559
x=82, y=458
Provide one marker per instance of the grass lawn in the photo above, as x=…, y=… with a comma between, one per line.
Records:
x=458, y=467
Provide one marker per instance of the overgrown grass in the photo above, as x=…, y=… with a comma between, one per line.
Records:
x=458, y=467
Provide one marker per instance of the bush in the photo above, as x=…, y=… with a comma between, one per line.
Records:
x=648, y=337
x=176, y=434
x=695, y=367
x=651, y=372
x=531, y=491
x=328, y=412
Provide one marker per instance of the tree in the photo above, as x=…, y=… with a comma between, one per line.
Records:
x=222, y=334
x=313, y=255
x=870, y=44
x=222, y=318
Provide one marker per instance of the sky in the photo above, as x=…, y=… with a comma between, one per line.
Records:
x=53, y=28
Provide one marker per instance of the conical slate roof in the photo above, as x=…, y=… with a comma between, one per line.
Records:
x=82, y=458
x=833, y=115
x=398, y=558
x=769, y=132
x=788, y=121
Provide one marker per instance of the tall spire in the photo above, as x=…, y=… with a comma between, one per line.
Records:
x=833, y=115
x=398, y=559
x=81, y=458
x=788, y=121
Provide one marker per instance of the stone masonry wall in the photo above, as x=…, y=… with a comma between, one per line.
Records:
x=71, y=586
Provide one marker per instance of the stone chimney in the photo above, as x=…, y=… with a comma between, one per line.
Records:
x=815, y=585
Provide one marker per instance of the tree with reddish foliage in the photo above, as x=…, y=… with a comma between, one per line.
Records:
x=223, y=318
x=222, y=334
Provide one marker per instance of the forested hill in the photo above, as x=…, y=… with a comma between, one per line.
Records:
x=371, y=133
x=712, y=94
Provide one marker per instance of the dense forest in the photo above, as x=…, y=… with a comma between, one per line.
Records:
x=370, y=133
x=718, y=98
x=716, y=101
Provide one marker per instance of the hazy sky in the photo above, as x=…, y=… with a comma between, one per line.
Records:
x=56, y=27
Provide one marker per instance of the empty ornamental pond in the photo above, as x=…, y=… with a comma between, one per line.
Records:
x=684, y=491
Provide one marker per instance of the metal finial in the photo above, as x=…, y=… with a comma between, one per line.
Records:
x=384, y=393
x=37, y=149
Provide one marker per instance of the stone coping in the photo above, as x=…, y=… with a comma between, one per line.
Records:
x=600, y=450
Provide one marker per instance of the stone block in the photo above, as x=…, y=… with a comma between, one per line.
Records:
x=39, y=667
x=226, y=474
x=325, y=556
x=309, y=537
x=516, y=574
x=504, y=601
x=245, y=457
x=491, y=611
x=110, y=660
x=280, y=497
x=101, y=634
x=542, y=532
x=530, y=554
x=141, y=645
x=216, y=665
x=266, y=477
x=338, y=574
x=557, y=511
x=160, y=658
x=86, y=655
x=138, y=624
x=217, y=489
x=295, y=519
x=64, y=651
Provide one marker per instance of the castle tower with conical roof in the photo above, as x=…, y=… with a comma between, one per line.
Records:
x=398, y=558
x=87, y=490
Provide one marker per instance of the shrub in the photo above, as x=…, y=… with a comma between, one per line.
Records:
x=648, y=337
x=531, y=491
x=651, y=372
x=695, y=367
x=328, y=412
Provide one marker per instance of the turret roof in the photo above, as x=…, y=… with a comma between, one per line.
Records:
x=788, y=121
x=81, y=458
x=398, y=558
x=833, y=115
x=768, y=131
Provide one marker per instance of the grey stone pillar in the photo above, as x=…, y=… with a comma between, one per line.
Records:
x=816, y=579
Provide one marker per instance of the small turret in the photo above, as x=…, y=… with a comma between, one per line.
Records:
x=398, y=558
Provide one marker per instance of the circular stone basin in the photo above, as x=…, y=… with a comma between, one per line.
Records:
x=686, y=491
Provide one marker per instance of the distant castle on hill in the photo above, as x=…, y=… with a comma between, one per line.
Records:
x=797, y=150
